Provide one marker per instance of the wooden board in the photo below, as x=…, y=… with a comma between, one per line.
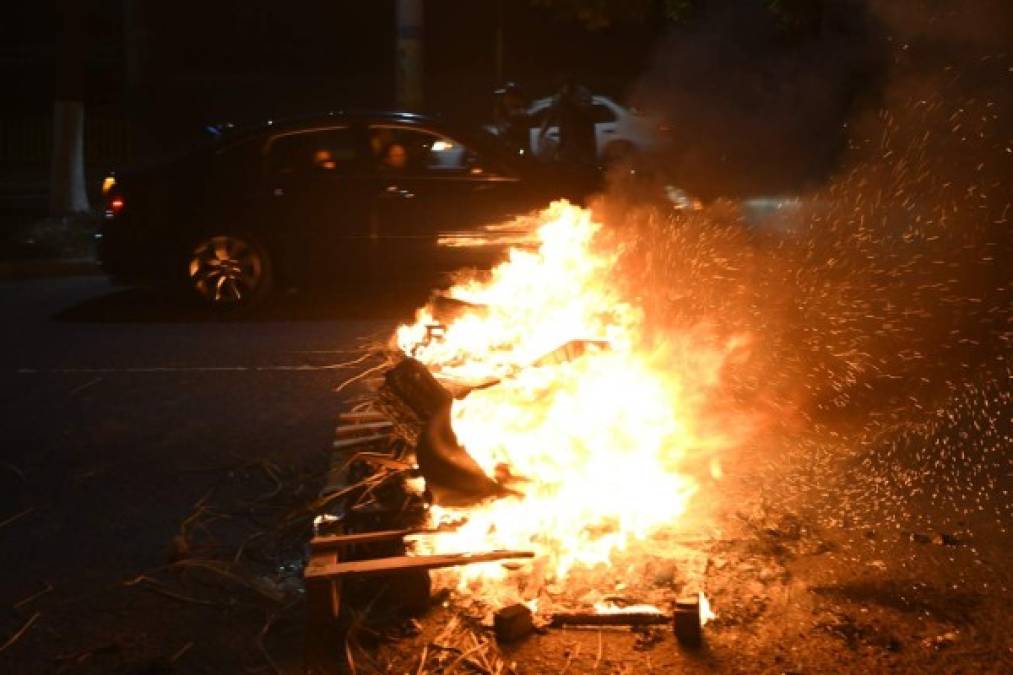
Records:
x=323, y=639
x=337, y=541
x=397, y=564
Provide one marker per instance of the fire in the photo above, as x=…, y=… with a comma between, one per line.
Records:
x=596, y=435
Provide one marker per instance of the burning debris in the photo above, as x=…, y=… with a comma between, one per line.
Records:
x=537, y=422
x=577, y=402
x=572, y=415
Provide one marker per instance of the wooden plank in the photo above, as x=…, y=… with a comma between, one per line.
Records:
x=362, y=417
x=397, y=564
x=353, y=429
x=323, y=639
x=610, y=619
x=324, y=542
x=337, y=541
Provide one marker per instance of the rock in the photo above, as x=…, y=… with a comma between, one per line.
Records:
x=512, y=623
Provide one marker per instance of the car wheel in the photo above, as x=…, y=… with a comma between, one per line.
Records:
x=230, y=271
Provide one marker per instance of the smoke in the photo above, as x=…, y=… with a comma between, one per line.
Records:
x=879, y=309
x=759, y=104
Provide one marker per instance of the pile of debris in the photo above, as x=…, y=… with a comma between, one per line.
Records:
x=396, y=454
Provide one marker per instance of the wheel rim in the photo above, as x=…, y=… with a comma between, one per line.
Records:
x=226, y=270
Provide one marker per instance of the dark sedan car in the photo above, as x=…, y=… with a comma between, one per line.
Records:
x=323, y=199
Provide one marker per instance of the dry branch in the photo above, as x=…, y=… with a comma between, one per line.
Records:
x=25, y=601
x=181, y=651
x=17, y=516
x=157, y=587
x=21, y=631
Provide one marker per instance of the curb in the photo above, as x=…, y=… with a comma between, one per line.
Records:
x=48, y=267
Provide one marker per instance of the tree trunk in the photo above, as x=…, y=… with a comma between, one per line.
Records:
x=67, y=187
x=408, y=94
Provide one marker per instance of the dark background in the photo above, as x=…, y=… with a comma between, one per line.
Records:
x=234, y=60
x=727, y=72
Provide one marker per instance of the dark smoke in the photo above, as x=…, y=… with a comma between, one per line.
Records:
x=881, y=309
x=758, y=104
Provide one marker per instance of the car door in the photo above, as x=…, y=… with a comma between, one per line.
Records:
x=606, y=127
x=434, y=196
x=543, y=147
x=318, y=212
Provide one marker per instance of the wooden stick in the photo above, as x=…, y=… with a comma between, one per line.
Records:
x=352, y=429
x=17, y=516
x=357, y=417
x=25, y=601
x=326, y=542
x=395, y=564
x=17, y=636
x=609, y=619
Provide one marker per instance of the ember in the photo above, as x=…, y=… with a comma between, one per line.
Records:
x=595, y=436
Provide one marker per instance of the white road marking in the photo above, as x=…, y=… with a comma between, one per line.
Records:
x=179, y=369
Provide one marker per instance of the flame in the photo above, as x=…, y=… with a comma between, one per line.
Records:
x=597, y=440
x=707, y=613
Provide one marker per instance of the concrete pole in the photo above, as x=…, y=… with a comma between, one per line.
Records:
x=499, y=43
x=68, y=194
x=409, y=37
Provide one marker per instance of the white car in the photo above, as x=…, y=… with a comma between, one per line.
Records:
x=619, y=131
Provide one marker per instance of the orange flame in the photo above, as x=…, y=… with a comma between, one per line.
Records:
x=598, y=441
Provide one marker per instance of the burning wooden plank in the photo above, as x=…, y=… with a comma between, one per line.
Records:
x=339, y=541
x=395, y=564
x=596, y=618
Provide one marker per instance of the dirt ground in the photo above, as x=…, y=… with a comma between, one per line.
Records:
x=807, y=573
x=802, y=580
x=790, y=599
x=792, y=595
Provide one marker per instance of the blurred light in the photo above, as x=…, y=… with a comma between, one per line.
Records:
x=442, y=146
x=108, y=183
x=114, y=207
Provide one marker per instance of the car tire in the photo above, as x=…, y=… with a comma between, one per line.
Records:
x=229, y=271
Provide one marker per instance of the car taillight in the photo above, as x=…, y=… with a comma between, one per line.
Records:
x=114, y=205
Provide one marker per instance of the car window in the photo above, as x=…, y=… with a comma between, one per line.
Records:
x=602, y=113
x=400, y=149
x=324, y=150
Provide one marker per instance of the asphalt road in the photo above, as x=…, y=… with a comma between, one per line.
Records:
x=124, y=412
x=122, y=409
